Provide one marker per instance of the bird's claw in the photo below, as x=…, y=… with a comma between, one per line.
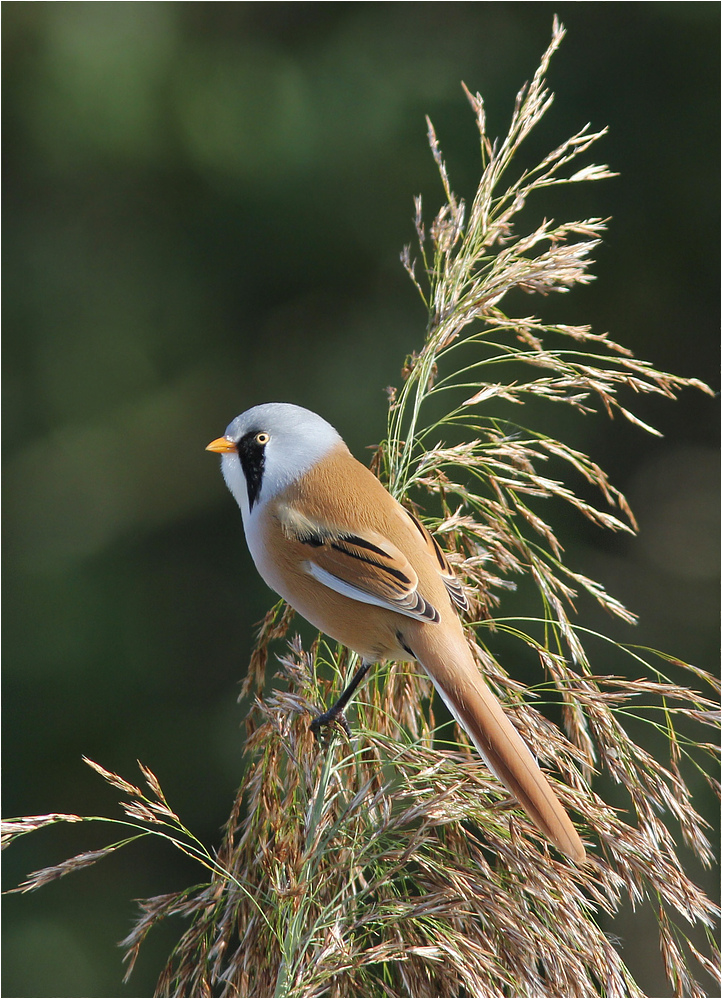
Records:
x=324, y=720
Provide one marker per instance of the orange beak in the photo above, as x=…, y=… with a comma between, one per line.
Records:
x=223, y=445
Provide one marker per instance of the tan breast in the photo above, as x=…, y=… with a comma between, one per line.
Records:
x=341, y=493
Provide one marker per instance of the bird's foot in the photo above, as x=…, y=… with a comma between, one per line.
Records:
x=325, y=720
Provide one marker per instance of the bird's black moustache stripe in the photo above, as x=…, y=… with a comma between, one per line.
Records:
x=253, y=456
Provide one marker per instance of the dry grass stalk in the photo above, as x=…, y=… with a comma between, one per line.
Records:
x=395, y=864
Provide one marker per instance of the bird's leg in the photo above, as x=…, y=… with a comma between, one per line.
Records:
x=335, y=712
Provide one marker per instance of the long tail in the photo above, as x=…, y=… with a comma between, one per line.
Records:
x=471, y=702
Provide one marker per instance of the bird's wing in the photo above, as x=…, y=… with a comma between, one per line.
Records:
x=364, y=566
x=445, y=571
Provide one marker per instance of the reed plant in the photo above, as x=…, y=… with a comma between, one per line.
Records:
x=390, y=862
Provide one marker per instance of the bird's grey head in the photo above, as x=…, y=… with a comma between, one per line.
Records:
x=274, y=444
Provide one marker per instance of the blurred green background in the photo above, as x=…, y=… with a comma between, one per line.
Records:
x=204, y=207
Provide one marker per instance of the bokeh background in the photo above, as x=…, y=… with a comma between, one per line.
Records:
x=204, y=208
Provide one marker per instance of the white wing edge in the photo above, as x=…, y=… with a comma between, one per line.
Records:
x=348, y=590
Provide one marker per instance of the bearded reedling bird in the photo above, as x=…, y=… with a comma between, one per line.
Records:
x=325, y=534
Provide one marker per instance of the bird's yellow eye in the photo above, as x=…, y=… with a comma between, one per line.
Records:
x=262, y=438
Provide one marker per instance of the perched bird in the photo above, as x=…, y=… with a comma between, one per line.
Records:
x=328, y=537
